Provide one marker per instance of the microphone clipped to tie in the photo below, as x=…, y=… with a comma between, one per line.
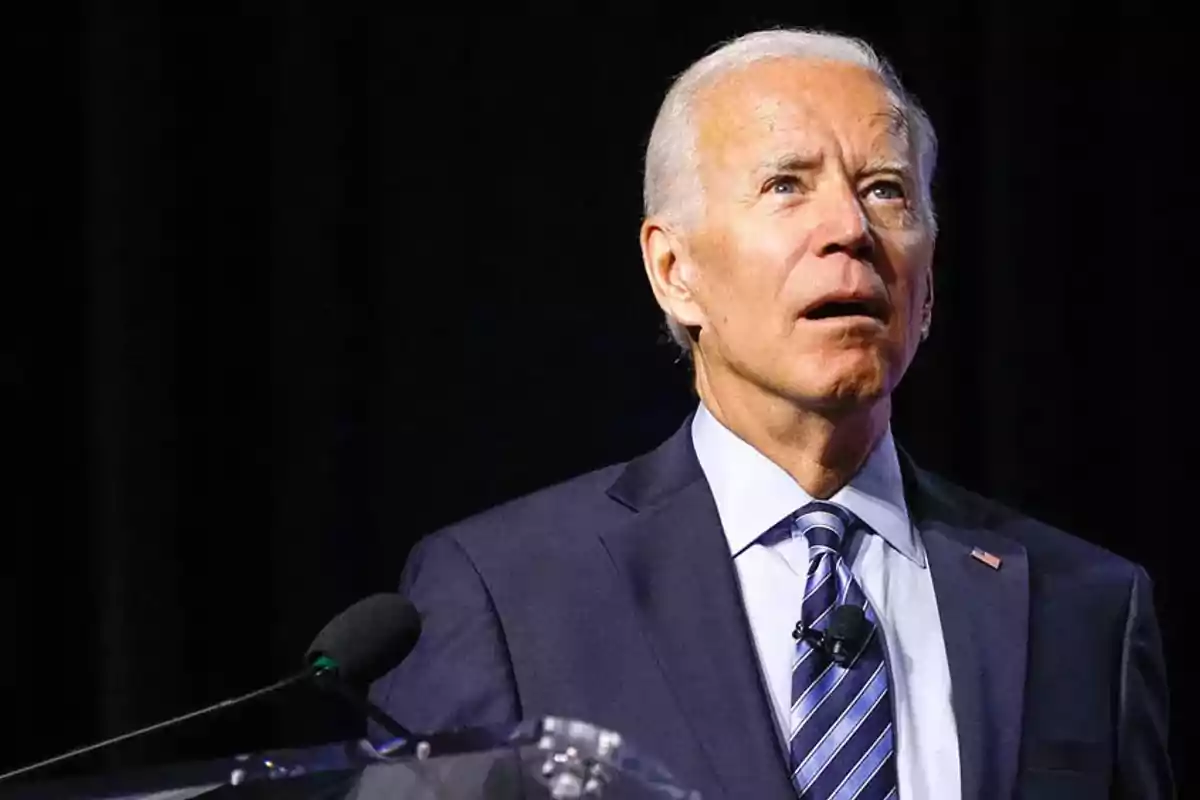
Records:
x=842, y=639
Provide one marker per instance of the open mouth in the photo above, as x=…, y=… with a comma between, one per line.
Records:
x=834, y=309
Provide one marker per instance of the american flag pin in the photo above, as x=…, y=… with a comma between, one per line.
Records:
x=991, y=560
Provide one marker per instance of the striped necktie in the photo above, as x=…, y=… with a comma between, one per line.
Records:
x=842, y=741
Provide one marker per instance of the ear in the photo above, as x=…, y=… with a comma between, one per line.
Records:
x=927, y=306
x=672, y=273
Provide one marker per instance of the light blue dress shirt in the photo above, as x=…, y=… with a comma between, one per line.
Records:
x=752, y=495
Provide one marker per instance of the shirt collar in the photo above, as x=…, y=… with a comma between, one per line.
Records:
x=753, y=493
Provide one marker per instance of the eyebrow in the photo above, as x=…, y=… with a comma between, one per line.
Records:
x=879, y=165
x=791, y=162
x=797, y=162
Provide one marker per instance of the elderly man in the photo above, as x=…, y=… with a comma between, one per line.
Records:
x=777, y=602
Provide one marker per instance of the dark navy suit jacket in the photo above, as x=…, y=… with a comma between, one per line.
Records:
x=612, y=599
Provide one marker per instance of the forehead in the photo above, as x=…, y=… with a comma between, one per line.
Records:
x=807, y=105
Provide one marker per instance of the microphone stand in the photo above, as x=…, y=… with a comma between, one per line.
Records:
x=297, y=678
x=327, y=678
x=323, y=670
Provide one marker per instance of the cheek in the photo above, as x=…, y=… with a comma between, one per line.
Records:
x=745, y=273
x=764, y=261
x=910, y=268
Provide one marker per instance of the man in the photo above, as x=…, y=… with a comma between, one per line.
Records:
x=777, y=602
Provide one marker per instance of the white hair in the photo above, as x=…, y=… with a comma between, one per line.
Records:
x=672, y=187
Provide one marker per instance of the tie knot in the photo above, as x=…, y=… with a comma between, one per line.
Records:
x=823, y=524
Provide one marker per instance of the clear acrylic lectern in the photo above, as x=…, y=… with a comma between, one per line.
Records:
x=550, y=757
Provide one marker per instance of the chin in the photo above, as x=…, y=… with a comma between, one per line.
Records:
x=848, y=388
x=846, y=399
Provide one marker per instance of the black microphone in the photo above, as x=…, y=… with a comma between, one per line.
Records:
x=842, y=639
x=360, y=645
x=357, y=646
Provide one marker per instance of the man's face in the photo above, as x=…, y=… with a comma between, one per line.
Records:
x=810, y=262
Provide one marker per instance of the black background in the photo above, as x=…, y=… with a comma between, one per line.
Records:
x=291, y=287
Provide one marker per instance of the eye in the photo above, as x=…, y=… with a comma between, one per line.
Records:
x=886, y=190
x=783, y=184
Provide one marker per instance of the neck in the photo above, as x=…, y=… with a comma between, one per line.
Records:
x=821, y=449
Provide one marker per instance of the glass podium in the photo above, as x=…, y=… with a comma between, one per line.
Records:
x=550, y=757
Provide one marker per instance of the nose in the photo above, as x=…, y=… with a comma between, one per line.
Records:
x=844, y=227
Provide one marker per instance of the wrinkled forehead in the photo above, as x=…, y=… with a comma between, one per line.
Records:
x=816, y=107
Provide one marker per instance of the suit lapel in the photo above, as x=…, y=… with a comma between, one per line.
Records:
x=676, y=563
x=985, y=618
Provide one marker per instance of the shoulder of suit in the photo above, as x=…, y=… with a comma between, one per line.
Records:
x=543, y=516
x=1051, y=549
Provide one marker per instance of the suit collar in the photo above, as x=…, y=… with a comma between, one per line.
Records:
x=660, y=473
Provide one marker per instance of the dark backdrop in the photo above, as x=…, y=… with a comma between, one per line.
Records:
x=294, y=287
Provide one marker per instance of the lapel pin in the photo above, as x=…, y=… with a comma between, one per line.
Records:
x=984, y=556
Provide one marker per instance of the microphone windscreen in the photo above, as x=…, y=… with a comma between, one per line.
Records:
x=369, y=638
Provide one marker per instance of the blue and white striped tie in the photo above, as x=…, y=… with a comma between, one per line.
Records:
x=842, y=740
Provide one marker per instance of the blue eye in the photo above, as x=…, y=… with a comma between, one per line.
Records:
x=783, y=184
x=886, y=190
